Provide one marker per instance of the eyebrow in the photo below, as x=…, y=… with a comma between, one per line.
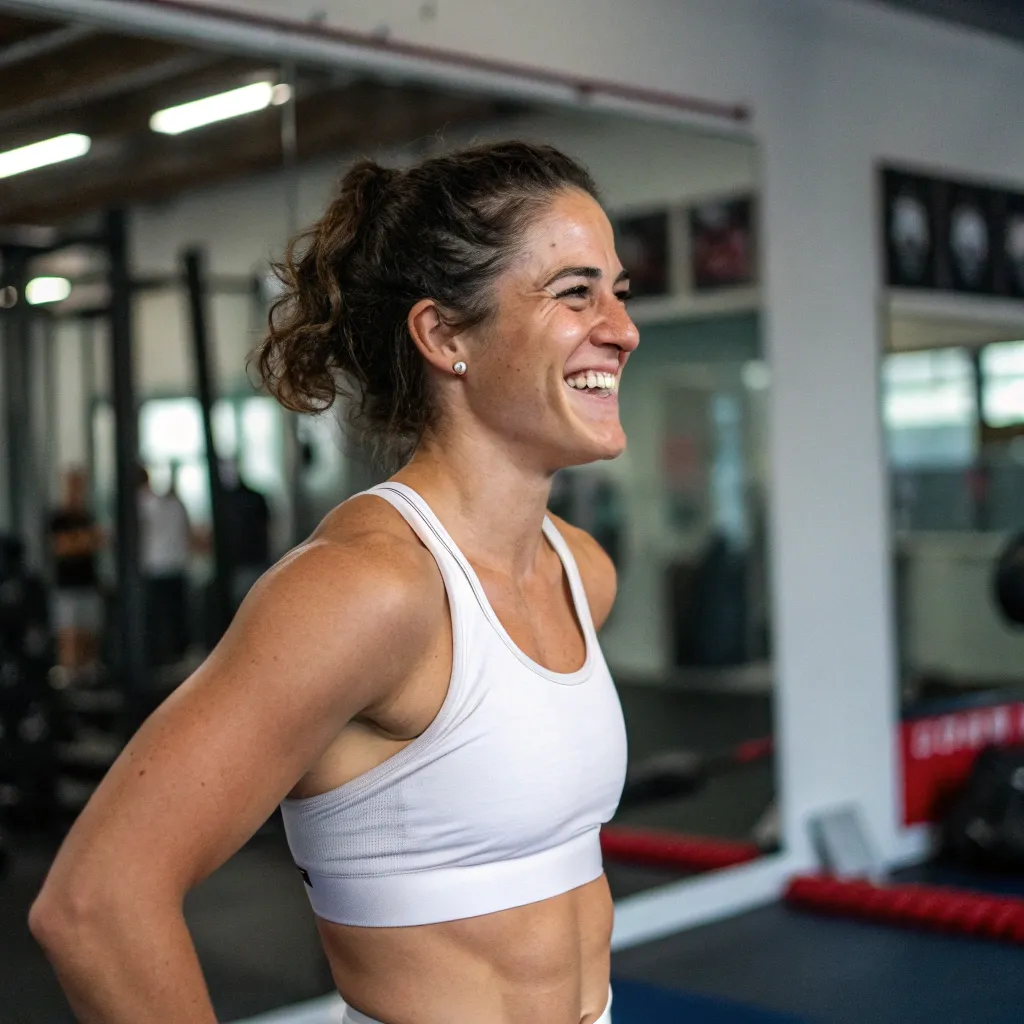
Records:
x=590, y=273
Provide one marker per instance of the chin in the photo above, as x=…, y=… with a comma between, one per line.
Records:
x=593, y=450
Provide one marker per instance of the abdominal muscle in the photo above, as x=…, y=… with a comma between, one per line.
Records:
x=546, y=963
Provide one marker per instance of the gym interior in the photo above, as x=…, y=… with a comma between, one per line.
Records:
x=816, y=525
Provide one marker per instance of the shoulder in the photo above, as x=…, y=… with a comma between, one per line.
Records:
x=361, y=565
x=596, y=569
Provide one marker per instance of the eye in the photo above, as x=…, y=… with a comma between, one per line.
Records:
x=624, y=296
x=580, y=291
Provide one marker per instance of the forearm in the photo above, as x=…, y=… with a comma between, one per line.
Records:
x=142, y=968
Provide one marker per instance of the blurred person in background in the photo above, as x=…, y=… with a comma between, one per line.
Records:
x=247, y=529
x=165, y=542
x=75, y=540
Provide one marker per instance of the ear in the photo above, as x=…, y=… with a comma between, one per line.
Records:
x=438, y=343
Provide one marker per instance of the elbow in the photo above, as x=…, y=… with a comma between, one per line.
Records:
x=65, y=918
x=56, y=917
x=74, y=917
x=47, y=920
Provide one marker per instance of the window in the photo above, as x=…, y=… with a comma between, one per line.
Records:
x=1002, y=368
x=171, y=439
x=928, y=401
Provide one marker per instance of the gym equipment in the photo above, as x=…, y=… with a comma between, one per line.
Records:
x=1008, y=580
x=27, y=763
x=984, y=827
x=844, y=847
x=935, y=908
x=684, y=772
x=659, y=848
x=674, y=774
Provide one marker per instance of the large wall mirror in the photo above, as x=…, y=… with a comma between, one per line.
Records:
x=952, y=402
x=952, y=384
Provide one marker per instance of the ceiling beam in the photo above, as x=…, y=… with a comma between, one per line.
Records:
x=14, y=29
x=42, y=44
x=88, y=70
x=129, y=112
x=152, y=168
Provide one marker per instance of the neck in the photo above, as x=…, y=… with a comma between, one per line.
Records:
x=492, y=503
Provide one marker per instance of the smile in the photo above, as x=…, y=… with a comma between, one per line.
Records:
x=595, y=382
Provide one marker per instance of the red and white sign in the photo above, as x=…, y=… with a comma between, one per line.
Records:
x=938, y=753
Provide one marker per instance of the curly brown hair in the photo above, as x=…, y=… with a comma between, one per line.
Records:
x=444, y=229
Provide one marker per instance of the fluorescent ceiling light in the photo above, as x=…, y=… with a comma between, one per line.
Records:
x=246, y=100
x=41, y=154
x=47, y=289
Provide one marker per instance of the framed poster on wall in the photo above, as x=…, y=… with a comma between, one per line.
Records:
x=954, y=236
x=968, y=239
x=1010, y=246
x=642, y=241
x=722, y=244
x=911, y=229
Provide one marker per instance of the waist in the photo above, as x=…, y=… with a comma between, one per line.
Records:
x=352, y=1016
x=451, y=893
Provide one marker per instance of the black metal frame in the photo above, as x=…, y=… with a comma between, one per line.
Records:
x=193, y=264
x=18, y=322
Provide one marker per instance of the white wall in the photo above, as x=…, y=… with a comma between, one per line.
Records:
x=836, y=86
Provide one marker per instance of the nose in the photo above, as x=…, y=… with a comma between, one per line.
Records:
x=615, y=326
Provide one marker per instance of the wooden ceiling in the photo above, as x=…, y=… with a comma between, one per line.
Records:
x=57, y=78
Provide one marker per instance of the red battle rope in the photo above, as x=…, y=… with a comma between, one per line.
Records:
x=655, y=848
x=954, y=911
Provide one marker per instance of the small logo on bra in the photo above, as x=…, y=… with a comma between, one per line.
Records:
x=305, y=877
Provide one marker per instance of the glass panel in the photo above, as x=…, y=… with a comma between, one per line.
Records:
x=928, y=408
x=1004, y=358
x=958, y=494
x=261, y=457
x=170, y=429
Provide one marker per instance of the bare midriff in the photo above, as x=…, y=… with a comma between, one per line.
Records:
x=546, y=963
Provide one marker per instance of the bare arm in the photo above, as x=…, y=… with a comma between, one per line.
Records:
x=302, y=658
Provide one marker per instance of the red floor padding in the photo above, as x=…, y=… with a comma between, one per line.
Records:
x=953, y=911
x=663, y=849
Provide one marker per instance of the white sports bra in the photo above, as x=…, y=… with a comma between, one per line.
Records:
x=499, y=802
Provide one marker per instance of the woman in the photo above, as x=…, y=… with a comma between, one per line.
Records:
x=420, y=682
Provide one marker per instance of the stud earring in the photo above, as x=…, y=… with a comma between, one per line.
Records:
x=459, y=367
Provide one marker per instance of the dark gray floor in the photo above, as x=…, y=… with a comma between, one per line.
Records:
x=838, y=972
x=663, y=719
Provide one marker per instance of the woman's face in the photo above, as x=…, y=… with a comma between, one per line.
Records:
x=547, y=373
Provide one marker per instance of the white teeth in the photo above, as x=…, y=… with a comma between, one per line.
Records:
x=594, y=379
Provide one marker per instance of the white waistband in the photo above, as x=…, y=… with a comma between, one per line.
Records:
x=355, y=1017
x=449, y=894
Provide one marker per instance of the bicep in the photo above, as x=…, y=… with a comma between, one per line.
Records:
x=212, y=763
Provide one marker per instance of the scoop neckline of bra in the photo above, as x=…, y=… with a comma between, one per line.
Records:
x=429, y=517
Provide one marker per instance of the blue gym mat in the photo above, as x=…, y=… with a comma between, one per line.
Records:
x=636, y=1003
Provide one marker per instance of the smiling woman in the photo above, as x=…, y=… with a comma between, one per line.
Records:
x=420, y=684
